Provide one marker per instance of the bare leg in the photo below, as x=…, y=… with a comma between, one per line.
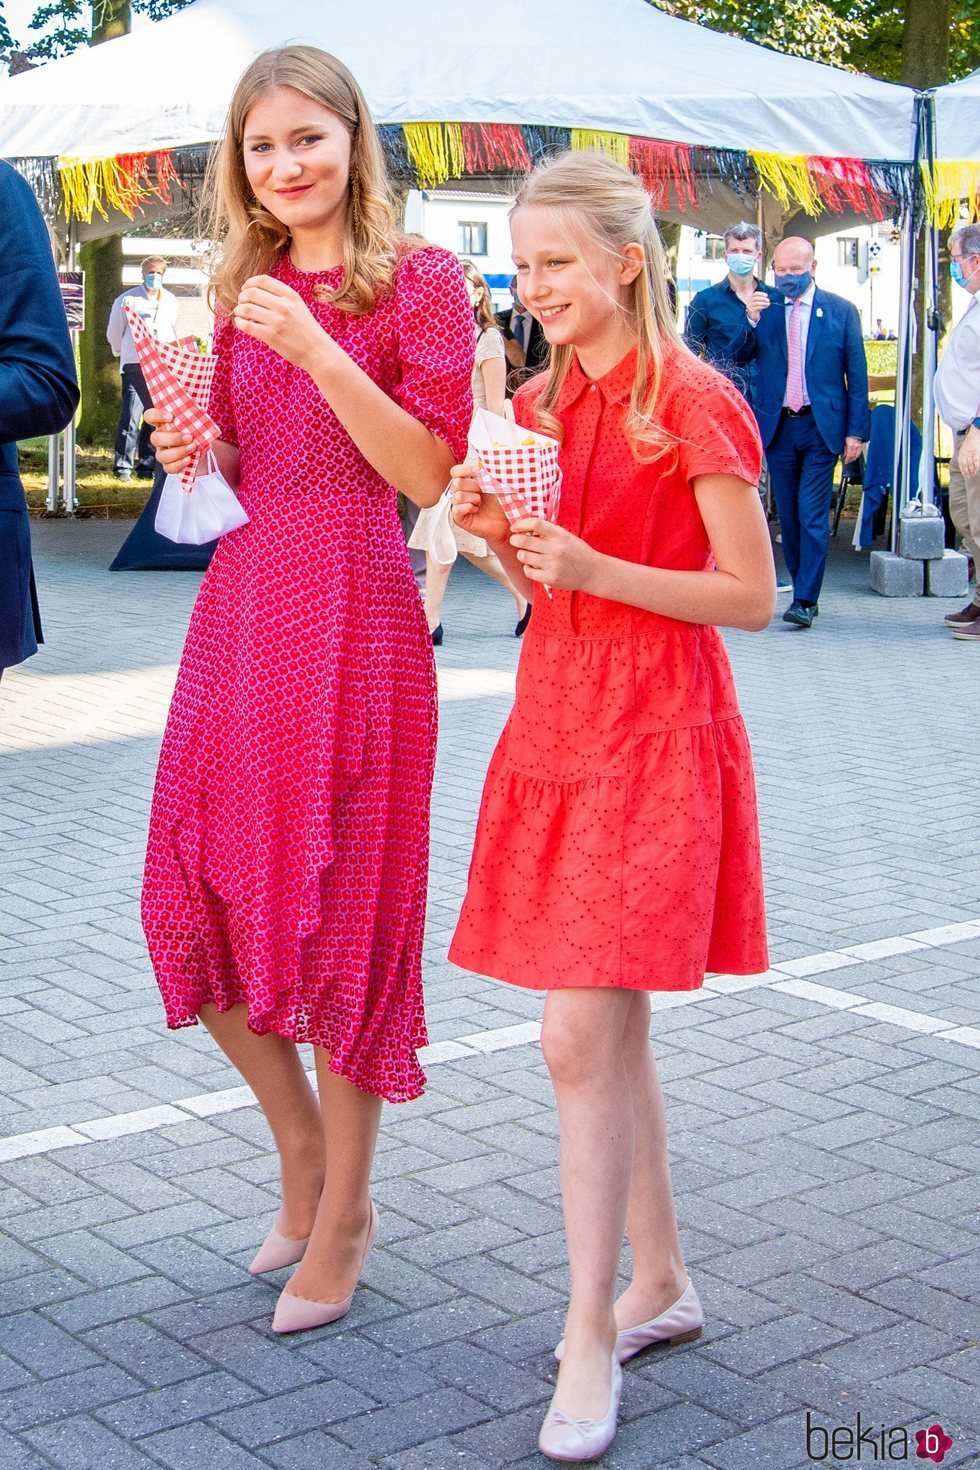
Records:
x=329, y=1269
x=583, y=1040
x=659, y=1274
x=493, y=567
x=436, y=578
x=272, y=1068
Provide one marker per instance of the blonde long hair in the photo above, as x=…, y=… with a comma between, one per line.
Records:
x=250, y=238
x=601, y=204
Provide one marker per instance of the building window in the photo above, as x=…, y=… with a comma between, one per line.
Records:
x=847, y=250
x=714, y=247
x=472, y=237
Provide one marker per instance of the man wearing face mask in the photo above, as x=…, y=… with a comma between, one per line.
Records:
x=811, y=402
x=717, y=326
x=957, y=391
x=158, y=308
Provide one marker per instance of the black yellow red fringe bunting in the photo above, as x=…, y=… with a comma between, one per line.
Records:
x=424, y=155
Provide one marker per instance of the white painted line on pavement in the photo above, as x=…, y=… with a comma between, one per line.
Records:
x=786, y=977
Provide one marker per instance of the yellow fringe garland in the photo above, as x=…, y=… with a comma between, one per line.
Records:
x=787, y=176
x=89, y=184
x=613, y=145
x=436, y=151
x=950, y=181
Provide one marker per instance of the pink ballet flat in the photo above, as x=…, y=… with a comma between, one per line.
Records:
x=277, y=1251
x=680, y=1323
x=297, y=1314
x=565, y=1438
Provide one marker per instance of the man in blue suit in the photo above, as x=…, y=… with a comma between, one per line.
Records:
x=38, y=395
x=811, y=401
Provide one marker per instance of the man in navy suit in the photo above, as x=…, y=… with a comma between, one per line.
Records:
x=811, y=401
x=38, y=395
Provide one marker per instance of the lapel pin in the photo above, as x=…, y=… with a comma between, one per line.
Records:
x=819, y=311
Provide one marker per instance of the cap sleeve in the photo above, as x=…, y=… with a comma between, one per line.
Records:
x=489, y=345
x=434, y=324
x=220, y=405
x=716, y=430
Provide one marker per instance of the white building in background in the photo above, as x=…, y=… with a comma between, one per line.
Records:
x=471, y=224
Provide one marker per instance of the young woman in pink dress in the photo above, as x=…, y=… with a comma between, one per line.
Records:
x=286, y=869
x=617, y=849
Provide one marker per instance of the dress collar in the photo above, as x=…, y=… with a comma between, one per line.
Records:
x=615, y=386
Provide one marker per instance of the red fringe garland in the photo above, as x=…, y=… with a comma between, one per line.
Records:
x=662, y=167
x=846, y=182
x=493, y=147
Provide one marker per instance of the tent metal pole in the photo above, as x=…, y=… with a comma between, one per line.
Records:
x=69, y=500
x=54, y=474
x=907, y=335
x=931, y=326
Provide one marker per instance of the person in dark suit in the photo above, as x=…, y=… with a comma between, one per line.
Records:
x=38, y=395
x=810, y=398
x=525, y=346
x=715, y=324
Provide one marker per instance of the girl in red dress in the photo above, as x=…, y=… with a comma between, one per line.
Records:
x=617, y=850
x=286, y=870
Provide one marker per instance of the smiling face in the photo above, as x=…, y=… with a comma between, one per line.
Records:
x=578, y=293
x=297, y=157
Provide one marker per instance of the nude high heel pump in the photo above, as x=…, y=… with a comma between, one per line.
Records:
x=277, y=1251
x=297, y=1314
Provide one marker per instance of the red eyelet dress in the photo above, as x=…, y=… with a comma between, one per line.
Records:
x=618, y=838
x=288, y=847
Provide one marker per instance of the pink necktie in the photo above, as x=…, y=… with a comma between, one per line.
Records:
x=794, y=372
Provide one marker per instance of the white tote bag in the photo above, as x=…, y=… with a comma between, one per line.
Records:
x=209, y=510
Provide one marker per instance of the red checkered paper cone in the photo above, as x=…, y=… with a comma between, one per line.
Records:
x=179, y=380
x=518, y=466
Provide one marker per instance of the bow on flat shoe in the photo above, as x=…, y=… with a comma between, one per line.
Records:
x=565, y=1438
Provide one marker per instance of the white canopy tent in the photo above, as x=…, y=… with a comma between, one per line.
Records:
x=619, y=65
x=957, y=108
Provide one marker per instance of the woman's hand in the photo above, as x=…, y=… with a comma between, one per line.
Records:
x=278, y=316
x=173, y=446
x=553, y=555
x=474, y=511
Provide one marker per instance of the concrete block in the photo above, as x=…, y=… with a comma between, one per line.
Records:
x=947, y=577
x=896, y=576
x=921, y=537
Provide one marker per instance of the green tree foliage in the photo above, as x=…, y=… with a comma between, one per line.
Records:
x=862, y=35
x=59, y=27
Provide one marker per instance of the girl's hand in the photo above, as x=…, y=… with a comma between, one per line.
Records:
x=474, y=511
x=172, y=445
x=553, y=555
x=278, y=316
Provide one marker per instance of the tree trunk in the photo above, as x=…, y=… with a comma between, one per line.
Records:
x=101, y=260
x=925, y=63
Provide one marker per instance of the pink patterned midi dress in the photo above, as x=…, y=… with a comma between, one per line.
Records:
x=288, y=847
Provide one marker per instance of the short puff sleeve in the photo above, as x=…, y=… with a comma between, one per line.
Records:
x=221, y=405
x=489, y=346
x=715, y=429
x=434, y=326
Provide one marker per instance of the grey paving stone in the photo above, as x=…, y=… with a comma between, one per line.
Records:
x=782, y=1341
x=58, y=1398
x=179, y=1403
x=82, y=1444
x=386, y=1430
x=199, y=1447
x=42, y=1347
x=148, y=1354
x=314, y=1449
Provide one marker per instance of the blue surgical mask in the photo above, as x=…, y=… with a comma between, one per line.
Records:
x=793, y=286
x=154, y=280
x=956, y=271
x=740, y=265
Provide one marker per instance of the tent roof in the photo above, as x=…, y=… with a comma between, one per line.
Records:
x=617, y=65
x=958, y=118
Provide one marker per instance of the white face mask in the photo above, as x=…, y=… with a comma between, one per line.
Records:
x=154, y=280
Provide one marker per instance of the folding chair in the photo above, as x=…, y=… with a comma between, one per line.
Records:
x=850, y=475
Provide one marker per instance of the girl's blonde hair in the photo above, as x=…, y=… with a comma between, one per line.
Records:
x=250, y=238
x=483, y=307
x=602, y=205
